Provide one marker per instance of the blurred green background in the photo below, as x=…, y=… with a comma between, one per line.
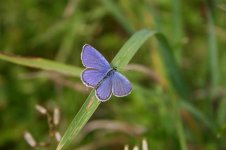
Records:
x=155, y=110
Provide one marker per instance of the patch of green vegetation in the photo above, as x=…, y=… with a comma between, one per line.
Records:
x=178, y=101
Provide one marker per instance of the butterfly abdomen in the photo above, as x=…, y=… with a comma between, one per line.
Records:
x=108, y=74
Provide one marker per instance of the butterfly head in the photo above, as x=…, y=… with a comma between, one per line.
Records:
x=114, y=68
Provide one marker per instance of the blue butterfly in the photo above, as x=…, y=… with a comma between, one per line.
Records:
x=100, y=75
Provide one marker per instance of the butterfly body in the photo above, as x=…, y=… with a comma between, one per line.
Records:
x=100, y=75
x=108, y=75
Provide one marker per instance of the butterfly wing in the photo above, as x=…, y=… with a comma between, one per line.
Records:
x=120, y=85
x=104, y=91
x=91, y=58
x=91, y=77
x=97, y=66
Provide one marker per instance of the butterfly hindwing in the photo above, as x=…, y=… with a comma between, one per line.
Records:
x=120, y=85
x=104, y=90
x=91, y=77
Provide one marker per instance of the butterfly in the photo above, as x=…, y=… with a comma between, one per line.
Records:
x=101, y=76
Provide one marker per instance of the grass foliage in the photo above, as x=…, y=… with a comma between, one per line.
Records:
x=171, y=51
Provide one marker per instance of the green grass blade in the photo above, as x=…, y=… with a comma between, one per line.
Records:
x=130, y=48
x=51, y=33
x=44, y=64
x=177, y=23
x=68, y=40
x=179, y=124
x=121, y=60
x=81, y=118
x=197, y=114
x=116, y=13
x=172, y=68
x=213, y=50
x=178, y=83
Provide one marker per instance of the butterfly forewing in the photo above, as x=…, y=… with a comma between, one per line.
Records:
x=91, y=58
x=120, y=85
